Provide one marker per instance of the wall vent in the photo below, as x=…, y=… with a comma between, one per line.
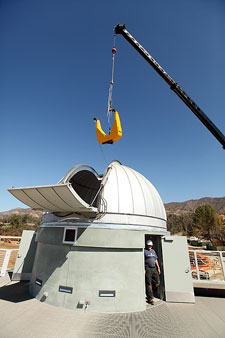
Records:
x=38, y=282
x=107, y=293
x=66, y=289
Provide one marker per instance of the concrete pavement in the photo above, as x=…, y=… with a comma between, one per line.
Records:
x=24, y=317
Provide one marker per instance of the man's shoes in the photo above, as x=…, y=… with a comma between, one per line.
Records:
x=151, y=301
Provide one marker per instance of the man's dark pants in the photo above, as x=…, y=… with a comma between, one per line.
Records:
x=151, y=277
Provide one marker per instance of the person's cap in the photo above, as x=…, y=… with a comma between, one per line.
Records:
x=149, y=242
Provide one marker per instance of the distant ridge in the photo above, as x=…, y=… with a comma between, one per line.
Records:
x=20, y=211
x=218, y=203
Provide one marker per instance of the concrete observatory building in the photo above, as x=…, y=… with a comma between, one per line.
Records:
x=89, y=248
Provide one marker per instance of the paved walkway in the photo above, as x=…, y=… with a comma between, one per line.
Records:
x=24, y=317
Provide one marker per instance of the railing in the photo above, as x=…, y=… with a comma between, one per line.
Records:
x=17, y=238
x=7, y=260
x=207, y=265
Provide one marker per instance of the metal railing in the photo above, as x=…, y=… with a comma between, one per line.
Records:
x=7, y=260
x=17, y=238
x=207, y=265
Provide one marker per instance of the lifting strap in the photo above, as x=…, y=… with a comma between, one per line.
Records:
x=109, y=111
x=116, y=132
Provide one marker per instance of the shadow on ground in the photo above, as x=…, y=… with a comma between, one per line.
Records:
x=16, y=293
x=209, y=292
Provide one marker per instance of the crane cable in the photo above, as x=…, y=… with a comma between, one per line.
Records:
x=109, y=111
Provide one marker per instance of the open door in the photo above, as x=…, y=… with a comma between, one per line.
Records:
x=177, y=270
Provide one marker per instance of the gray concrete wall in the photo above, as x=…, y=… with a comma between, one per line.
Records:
x=91, y=237
x=101, y=259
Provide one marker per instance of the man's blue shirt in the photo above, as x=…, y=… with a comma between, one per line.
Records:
x=150, y=258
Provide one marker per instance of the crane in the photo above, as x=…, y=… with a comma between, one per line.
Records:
x=121, y=29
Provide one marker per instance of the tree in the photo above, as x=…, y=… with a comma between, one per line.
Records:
x=204, y=222
x=13, y=225
x=180, y=223
x=218, y=232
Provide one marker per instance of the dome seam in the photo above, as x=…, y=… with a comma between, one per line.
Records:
x=135, y=175
x=148, y=183
x=118, y=195
x=131, y=190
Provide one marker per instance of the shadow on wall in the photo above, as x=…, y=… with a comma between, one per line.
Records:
x=29, y=258
x=51, y=254
x=25, y=257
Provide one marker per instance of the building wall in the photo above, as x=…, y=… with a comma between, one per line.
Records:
x=100, y=260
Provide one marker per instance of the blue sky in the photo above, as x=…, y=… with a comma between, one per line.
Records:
x=55, y=67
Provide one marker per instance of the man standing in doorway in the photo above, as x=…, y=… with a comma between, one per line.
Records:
x=152, y=270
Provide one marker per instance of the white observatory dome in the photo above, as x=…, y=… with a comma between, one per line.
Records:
x=120, y=196
x=128, y=192
x=130, y=197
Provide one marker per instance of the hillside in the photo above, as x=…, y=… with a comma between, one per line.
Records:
x=217, y=203
x=20, y=211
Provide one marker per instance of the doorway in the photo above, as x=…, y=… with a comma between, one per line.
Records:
x=158, y=292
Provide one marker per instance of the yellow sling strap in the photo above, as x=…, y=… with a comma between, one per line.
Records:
x=115, y=133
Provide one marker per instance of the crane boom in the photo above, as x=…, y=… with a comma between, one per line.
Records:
x=121, y=29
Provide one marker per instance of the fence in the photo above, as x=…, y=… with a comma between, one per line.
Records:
x=7, y=260
x=207, y=265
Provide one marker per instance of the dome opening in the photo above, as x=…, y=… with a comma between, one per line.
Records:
x=86, y=185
